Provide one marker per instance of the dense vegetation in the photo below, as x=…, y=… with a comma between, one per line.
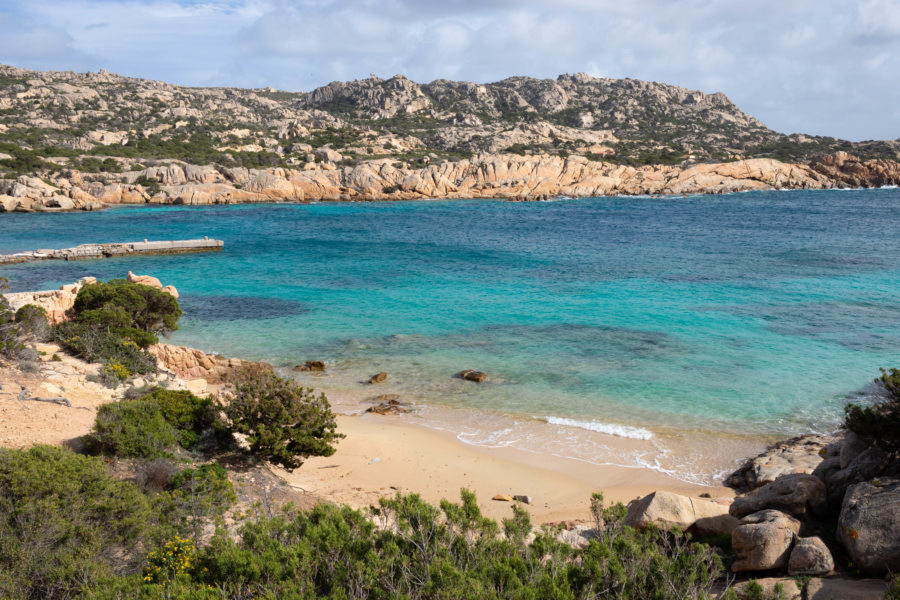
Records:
x=69, y=529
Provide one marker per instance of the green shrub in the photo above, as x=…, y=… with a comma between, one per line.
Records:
x=135, y=428
x=880, y=421
x=10, y=344
x=183, y=409
x=284, y=423
x=132, y=311
x=121, y=357
x=64, y=523
x=33, y=323
x=197, y=496
x=419, y=551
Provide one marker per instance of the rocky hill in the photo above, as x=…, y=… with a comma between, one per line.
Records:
x=81, y=140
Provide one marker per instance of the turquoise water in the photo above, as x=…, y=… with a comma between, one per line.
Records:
x=752, y=313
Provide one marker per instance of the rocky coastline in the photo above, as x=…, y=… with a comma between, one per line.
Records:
x=503, y=176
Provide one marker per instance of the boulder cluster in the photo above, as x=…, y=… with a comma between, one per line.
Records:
x=800, y=503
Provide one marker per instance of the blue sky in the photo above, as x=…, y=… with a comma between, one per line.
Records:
x=828, y=67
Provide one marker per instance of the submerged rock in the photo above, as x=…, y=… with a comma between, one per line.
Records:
x=470, y=375
x=377, y=378
x=311, y=365
x=389, y=405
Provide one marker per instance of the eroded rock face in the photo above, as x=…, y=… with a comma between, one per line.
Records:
x=191, y=363
x=665, y=509
x=797, y=494
x=810, y=556
x=484, y=176
x=849, y=171
x=55, y=302
x=764, y=540
x=869, y=525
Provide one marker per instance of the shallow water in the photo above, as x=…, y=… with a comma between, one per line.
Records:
x=751, y=314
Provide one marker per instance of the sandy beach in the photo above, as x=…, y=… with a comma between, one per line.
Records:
x=381, y=456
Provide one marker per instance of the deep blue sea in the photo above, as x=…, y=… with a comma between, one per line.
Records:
x=754, y=314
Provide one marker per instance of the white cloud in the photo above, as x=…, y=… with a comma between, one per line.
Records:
x=818, y=66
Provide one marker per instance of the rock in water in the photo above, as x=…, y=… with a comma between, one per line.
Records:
x=869, y=525
x=311, y=365
x=378, y=378
x=810, y=556
x=390, y=406
x=763, y=541
x=470, y=375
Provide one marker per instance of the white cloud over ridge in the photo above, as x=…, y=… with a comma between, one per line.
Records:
x=826, y=67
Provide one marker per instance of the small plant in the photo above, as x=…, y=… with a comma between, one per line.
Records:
x=284, y=423
x=175, y=558
x=33, y=323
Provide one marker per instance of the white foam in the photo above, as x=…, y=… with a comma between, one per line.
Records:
x=635, y=433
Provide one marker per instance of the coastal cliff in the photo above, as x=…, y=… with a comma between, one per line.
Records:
x=484, y=176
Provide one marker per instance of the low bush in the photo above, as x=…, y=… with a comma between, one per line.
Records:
x=881, y=421
x=33, y=323
x=197, y=496
x=121, y=358
x=64, y=523
x=284, y=423
x=132, y=428
x=189, y=414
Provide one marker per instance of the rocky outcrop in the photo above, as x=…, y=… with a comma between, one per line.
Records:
x=665, y=509
x=804, y=454
x=763, y=541
x=869, y=525
x=191, y=363
x=849, y=171
x=55, y=302
x=797, y=494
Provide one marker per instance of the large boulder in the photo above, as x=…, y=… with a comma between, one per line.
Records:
x=810, y=556
x=802, y=454
x=869, y=525
x=763, y=541
x=666, y=509
x=797, y=494
x=864, y=465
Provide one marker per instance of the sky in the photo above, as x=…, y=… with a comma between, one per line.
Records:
x=824, y=67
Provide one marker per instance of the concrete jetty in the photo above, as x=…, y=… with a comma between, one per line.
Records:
x=90, y=251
